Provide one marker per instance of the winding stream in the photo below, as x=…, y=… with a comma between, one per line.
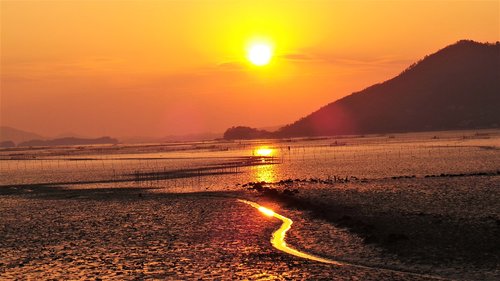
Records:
x=278, y=239
x=278, y=242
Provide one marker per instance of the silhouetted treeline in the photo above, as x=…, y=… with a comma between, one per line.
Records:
x=241, y=132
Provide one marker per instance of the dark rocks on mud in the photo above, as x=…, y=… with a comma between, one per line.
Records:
x=478, y=174
x=266, y=190
x=328, y=180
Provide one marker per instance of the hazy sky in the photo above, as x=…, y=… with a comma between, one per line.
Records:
x=154, y=68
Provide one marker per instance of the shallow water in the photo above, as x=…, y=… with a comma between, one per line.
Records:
x=416, y=154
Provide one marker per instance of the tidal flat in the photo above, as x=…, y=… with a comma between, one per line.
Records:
x=418, y=206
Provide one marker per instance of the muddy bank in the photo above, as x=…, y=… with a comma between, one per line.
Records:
x=130, y=234
x=450, y=226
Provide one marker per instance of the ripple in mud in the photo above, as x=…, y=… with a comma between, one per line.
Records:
x=165, y=236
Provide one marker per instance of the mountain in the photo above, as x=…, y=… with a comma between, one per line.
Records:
x=457, y=87
x=16, y=136
x=69, y=141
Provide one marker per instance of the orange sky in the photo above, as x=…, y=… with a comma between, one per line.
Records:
x=155, y=68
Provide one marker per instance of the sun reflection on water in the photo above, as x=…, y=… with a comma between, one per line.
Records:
x=266, y=173
x=263, y=151
x=266, y=211
x=278, y=238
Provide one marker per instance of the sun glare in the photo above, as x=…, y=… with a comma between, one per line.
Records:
x=263, y=151
x=260, y=54
x=266, y=211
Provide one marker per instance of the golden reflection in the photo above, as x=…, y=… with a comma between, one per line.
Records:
x=263, y=151
x=266, y=211
x=278, y=239
x=265, y=173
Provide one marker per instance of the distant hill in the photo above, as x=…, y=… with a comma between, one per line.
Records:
x=457, y=87
x=69, y=135
x=7, y=144
x=16, y=136
x=69, y=141
x=242, y=132
x=191, y=137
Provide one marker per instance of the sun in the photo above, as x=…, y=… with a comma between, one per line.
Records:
x=260, y=54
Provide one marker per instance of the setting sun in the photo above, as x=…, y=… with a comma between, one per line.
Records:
x=373, y=124
x=260, y=54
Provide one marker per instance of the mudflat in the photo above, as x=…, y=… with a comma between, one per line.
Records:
x=403, y=207
x=129, y=234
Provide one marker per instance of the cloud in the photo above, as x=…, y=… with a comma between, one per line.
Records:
x=373, y=61
x=298, y=57
x=42, y=69
x=329, y=58
x=230, y=65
